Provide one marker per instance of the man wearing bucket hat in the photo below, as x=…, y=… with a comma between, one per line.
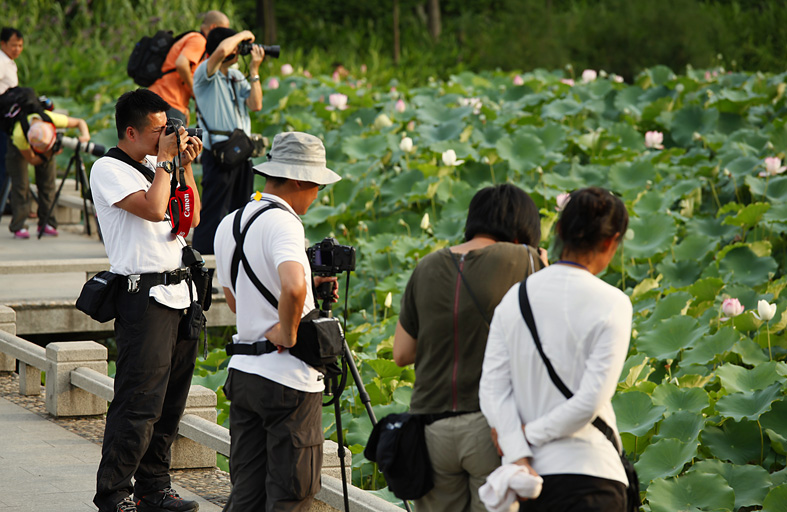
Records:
x=36, y=148
x=275, y=414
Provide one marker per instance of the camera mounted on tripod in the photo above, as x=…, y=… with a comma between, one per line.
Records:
x=327, y=259
x=91, y=148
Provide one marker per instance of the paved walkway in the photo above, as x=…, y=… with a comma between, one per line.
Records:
x=45, y=467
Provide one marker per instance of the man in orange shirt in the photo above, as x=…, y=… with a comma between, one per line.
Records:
x=176, y=88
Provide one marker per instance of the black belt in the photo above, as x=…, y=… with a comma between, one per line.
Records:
x=147, y=281
x=431, y=418
x=250, y=349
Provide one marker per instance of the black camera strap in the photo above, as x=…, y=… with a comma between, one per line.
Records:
x=121, y=155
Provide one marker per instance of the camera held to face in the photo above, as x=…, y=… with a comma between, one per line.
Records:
x=329, y=257
x=244, y=48
x=175, y=124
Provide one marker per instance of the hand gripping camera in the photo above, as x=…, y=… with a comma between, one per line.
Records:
x=329, y=258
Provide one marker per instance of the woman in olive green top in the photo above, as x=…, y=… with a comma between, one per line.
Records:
x=443, y=326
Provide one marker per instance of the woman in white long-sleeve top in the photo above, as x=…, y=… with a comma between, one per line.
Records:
x=584, y=325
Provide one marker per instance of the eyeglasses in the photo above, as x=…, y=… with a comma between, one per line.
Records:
x=321, y=187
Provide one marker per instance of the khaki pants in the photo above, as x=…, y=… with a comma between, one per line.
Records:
x=16, y=167
x=462, y=456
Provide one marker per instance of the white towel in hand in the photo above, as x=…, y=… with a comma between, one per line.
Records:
x=507, y=482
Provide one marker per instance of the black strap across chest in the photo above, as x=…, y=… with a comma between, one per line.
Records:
x=121, y=155
x=527, y=313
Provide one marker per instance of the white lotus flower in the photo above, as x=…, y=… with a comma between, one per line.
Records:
x=473, y=102
x=406, y=145
x=286, y=69
x=765, y=311
x=617, y=79
x=731, y=307
x=382, y=121
x=388, y=300
x=654, y=139
x=449, y=158
x=589, y=75
x=773, y=166
x=425, y=221
x=337, y=101
x=562, y=201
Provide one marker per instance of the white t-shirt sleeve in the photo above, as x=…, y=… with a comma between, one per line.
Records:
x=287, y=244
x=115, y=183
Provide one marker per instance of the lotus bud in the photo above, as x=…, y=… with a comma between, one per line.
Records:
x=629, y=234
x=731, y=307
x=406, y=145
x=388, y=300
x=562, y=201
x=696, y=136
x=306, y=73
x=382, y=121
x=363, y=68
x=286, y=69
x=617, y=79
x=449, y=158
x=518, y=80
x=425, y=221
x=654, y=139
x=273, y=83
x=400, y=106
x=589, y=75
x=568, y=81
x=335, y=76
x=765, y=311
x=411, y=126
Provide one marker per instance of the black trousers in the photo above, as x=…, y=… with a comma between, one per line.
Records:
x=154, y=369
x=222, y=192
x=577, y=493
x=276, y=449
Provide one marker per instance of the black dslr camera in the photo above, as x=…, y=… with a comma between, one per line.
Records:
x=328, y=258
x=244, y=48
x=175, y=124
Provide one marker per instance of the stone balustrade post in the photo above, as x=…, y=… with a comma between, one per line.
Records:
x=62, y=397
x=188, y=454
x=8, y=324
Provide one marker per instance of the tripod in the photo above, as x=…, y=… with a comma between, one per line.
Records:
x=81, y=179
x=325, y=293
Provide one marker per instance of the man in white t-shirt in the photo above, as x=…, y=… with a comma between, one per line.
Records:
x=11, y=46
x=131, y=190
x=276, y=409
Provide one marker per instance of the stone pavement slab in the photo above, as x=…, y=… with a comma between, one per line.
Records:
x=45, y=467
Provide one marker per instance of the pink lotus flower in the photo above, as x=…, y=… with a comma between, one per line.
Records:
x=411, y=126
x=273, y=83
x=286, y=69
x=654, y=139
x=337, y=101
x=589, y=75
x=518, y=80
x=773, y=166
x=731, y=307
x=400, y=106
x=568, y=81
x=306, y=73
x=363, y=68
x=562, y=201
x=335, y=76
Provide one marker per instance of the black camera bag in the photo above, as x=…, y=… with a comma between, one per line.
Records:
x=16, y=104
x=320, y=340
x=234, y=151
x=97, y=298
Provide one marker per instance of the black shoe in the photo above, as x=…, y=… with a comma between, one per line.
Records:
x=165, y=500
x=127, y=505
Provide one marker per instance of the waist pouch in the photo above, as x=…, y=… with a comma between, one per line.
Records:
x=97, y=298
x=234, y=151
x=320, y=342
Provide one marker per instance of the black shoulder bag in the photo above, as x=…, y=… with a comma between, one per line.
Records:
x=632, y=491
x=320, y=340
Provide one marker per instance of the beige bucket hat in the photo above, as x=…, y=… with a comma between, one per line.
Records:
x=297, y=156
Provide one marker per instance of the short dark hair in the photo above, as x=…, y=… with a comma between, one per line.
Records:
x=132, y=109
x=592, y=215
x=216, y=36
x=506, y=213
x=8, y=32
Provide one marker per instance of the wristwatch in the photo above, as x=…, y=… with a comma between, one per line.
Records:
x=166, y=165
x=255, y=78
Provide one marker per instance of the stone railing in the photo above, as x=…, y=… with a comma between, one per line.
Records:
x=77, y=385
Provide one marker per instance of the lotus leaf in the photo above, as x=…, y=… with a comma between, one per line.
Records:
x=746, y=268
x=624, y=177
x=361, y=148
x=523, y=152
x=667, y=338
x=652, y=235
x=664, y=458
x=695, y=248
x=776, y=418
x=710, y=347
x=748, y=405
x=684, y=426
x=693, y=491
x=751, y=353
x=676, y=399
x=441, y=132
x=749, y=216
x=679, y=274
x=750, y=483
x=635, y=412
x=735, y=379
x=559, y=109
x=651, y=202
x=693, y=119
x=737, y=442
x=776, y=500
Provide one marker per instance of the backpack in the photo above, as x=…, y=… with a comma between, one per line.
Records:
x=15, y=105
x=148, y=56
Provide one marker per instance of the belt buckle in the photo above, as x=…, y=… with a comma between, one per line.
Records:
x=133, y=283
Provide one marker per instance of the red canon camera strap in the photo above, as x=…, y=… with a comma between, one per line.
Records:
x=185, y=201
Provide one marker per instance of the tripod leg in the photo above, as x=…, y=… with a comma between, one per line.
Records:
x=85, y=192
x=57, y=196
x=6, y=191
x=340, y=442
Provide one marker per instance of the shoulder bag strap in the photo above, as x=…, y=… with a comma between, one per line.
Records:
x=527, y=314
x=238, y=256
x=119, y=154
x=469, y=290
